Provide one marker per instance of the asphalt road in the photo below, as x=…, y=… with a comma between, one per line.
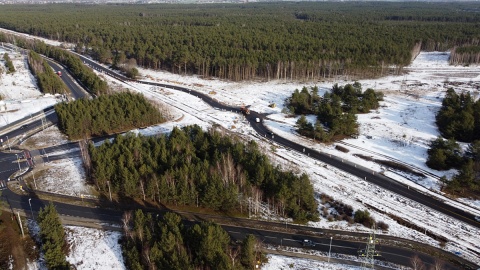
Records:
x=393, y=254
x=5, y=166
x=77, y=91
x=9, y=164
x=8, y=159
x=24, y=129
x=361, y=172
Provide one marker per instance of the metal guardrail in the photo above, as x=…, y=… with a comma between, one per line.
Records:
x=24, y=120
x=68, y=70
x=21, y=138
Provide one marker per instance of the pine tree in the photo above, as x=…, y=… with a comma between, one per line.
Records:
x=247, y=253
x=53, y=238
x=302, y=123
x=437, y=159
x=209, y=243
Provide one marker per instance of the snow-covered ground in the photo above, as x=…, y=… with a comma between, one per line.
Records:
x=92, y=249
x=89, y=249
x=400, y=129
x=51, y=136
x=27, y=36
x=277, y=262
x=61, y=176
x=19, y=91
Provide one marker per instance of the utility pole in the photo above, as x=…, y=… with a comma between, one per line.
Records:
x=34, y=182
x=18, y=162
x=20, y=223
x=330, y=249
x=8, y=142
x=29, y=202
x=369, y=254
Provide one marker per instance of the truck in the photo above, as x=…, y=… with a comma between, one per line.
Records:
x=244, y=110
x=59, y=73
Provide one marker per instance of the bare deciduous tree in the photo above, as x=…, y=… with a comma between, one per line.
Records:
x=146, y=256
x=142, y=189
x=417, y=263
x=233, y=254
x=127, y=217
x=438, y=265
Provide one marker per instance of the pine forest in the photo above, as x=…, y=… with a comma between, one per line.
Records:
x=166, y=243
x=107, y=114
x=201, y=169
x=287, y=40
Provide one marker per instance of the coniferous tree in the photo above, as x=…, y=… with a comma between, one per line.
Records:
x=197, y=168
x=247, y=254
x=443, y=154
x=303, y=124
x=458, y=119
x=48, y=81
x=297, y=43
x=8, y=63
x=335, y=111
x=465, y=181
x=106, y=114
x=52, y=236
x=209, y=243
x=164, y=243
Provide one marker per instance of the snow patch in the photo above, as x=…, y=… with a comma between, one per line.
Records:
x=92, y=249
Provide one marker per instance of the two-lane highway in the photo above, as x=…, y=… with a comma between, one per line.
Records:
x=353, y=169
x=372, y=177
x=361, y=172
x=77, y=91
x=291, y=237
x=23, y=202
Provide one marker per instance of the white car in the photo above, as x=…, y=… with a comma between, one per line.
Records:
x=477, y=218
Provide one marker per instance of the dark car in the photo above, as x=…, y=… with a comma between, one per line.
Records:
x=24, y=127
x=308, y=243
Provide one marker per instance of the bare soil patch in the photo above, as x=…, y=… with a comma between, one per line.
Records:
x=15, y=250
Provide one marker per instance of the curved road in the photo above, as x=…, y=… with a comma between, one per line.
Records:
x=361, y=172
x=389, y=253
x=76, y=90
